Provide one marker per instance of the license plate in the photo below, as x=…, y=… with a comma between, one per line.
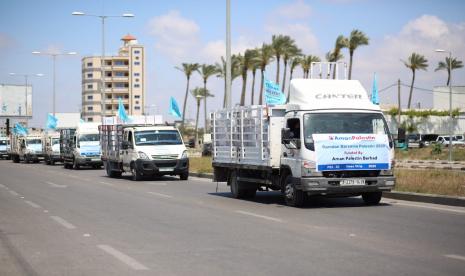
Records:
x=352, y=182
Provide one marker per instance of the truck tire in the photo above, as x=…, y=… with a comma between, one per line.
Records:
x=372, y=198
x=237, y=191
x=15, y=159
x=111, y=173
x=293, y=196
x=136, y=175
x=184, y=176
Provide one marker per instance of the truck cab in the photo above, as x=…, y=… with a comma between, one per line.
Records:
x=81, y=146
x=51, y=142
x=4, y=147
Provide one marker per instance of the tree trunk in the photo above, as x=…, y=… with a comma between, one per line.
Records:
x=244, y=86
x=205, y=105
x=284, y=75
x=260, y=98
x=411, y=90
x=351, y=53
x=277, y=69
x=330, y=69
x=197, y=124
x=185, y=103
x=253, y=87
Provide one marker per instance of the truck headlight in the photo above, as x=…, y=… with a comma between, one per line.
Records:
x=184, y=154
x=386, y=172
x=308, y=168
x=142, y=155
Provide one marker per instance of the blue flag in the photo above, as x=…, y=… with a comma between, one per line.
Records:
x=51, y=121
x=374, y=91
x=122, y=112
x=174, y=108
x=19, y=129
x=273, y=93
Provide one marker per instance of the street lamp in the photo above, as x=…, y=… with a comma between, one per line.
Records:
x=26, y=76
x=102, y=70
x=450, y=99
x=54, y=57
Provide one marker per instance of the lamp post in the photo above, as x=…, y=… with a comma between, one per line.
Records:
x=26, y=76
x=54, y=57
x=102, y=57
x=228, y=54
x=450, y=99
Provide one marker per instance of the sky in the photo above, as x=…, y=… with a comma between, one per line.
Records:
x=178, y=31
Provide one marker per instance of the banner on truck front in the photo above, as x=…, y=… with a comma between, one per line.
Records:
x=347, y=152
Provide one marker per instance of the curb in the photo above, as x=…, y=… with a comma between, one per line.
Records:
x=425, y=198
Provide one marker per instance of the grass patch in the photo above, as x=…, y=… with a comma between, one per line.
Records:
x=440, y=182
x=200, y=164
x=458, y=154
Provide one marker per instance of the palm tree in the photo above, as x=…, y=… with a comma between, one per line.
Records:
x=290, y=51
x=221, y=70
x=332, y=57
x=188, y=69
x=254, y=64
x=245, y=62
x=294, y=63
x=264, y=57
x=357, y=38
x=206, y=71
x=415, y=61
x=279, y=43
x=306, y=64
x=341, y=42
x=198, y=93
x=454, y=64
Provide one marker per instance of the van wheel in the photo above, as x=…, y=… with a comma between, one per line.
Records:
x=136, y=175
x=184, y=176
x=293, y=196
x=372, y=198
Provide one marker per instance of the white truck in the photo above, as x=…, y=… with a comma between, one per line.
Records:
x=143, y=150
x=329, y=139
x=51, y=144
x=81, y=146
x=27, y=148
x=4, y=147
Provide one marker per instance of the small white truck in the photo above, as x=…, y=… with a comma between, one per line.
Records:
x=27, y=148
x=143, y=150
x=329, y=139
x=81, y=146
x=4, y=147
x=51, y=144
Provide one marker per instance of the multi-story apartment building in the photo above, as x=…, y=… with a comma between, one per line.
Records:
x=124, y=77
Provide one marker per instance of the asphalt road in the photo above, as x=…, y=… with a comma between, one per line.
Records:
x=63, y=222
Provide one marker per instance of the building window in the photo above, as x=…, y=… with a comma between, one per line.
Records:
x=137, y=58
x=89, y=64
x=90, y=119
x=136, y=63
x=121, y=74
x=109, y=97
x=136, y=74
x=121, y=85
x=136, y=52
x=90, y=86
x=121, y=62
x=90, y=75
x=136, y=96
x=108, y=73
x=136, y=85
x=90, y=97
x=108, y=107
x=107, y=62
x=137, y=102
x=90, y=108
x=137, y=107
x=108, y=85
x=137, y=80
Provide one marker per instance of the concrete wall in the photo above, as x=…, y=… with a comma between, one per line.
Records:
x=430, y=125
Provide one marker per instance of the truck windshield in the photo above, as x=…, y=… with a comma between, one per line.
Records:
x=343, y=123
x=157, y=137
x=33, y=141
x=55, y=141
x=89, y=137
x=3, y=142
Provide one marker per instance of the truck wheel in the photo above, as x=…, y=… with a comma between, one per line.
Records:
x=372, y=198
x=15, y=159
x=75, y=164
x=236, y=190
x=51, y=162
x=293, y=196
x=184, y=176
x=136, y=175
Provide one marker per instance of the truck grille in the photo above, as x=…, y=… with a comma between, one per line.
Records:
x=165, y=157
x=166, y=164
x=347, y=174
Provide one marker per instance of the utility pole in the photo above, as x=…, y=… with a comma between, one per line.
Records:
x=398, y=100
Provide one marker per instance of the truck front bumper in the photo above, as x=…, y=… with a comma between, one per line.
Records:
x=35, y=157
x=4, y=154
x=331, y=186
x=162, y=167
x=89, y=161
x=55, y=158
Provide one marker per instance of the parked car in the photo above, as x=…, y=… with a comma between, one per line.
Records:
x=444, y=139
x=460, y=138
x=415, y=141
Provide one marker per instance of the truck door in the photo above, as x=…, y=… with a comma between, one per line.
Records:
x=291, y=152
x=127, y=153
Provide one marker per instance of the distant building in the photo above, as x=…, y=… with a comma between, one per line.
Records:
x=124, y=77
x=441, y=97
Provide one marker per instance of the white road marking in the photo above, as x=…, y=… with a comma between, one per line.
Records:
x=158, y=194
x=259, y=216
x=432, y=207
x=56, y=185
x=157, y=183
x=22, y=197
x=32, y=204
x=63, y=222
x=86, y=235
x=122, y=257
x=45, y=211
x=106, y=183
x=14, y=193
x=453, y=256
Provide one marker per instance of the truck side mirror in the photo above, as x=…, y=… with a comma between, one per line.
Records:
x=125, y=145
x=285, y=136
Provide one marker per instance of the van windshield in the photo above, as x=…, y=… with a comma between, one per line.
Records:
x=157, y=137
x=88, y=137
x=343, y=123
